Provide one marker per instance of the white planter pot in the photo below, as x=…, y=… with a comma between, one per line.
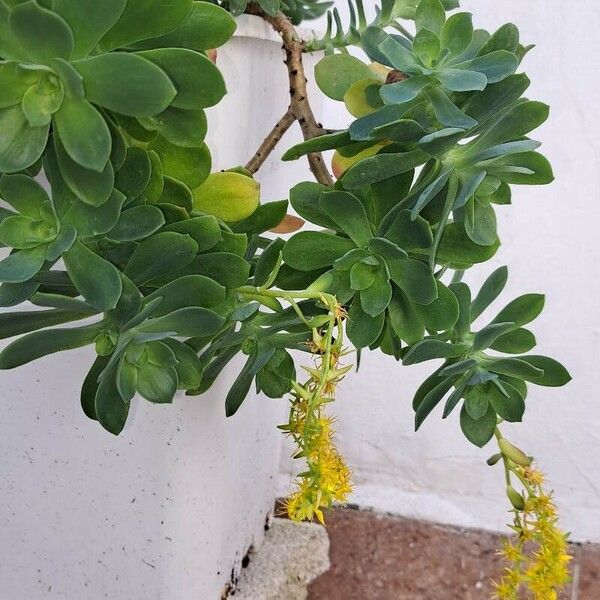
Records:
x=167, y=510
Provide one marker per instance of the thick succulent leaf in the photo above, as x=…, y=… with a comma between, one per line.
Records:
x=515, y=342
x=336, y=73
x=416, y=280
x=198, y=81
x=481, y=431
x=41, y=33
x=522, y=310
x=14, y=82
x=515, y=367
x=408, y=233
x=442, y=313
x=328, y=141
x=457, y=249
x=495, y=66
x=189, y=290
x=432, y=349
x=185, y=128
x=22, y=232
x=230, y=270
x=349, y=214
x=145, y=19
x=430, y=14
x=457, y=33
x=403, y=318
x=461, y=80
x=514, y=124
x=241, y=386
x=90, y=387
x=382, y=166
x=21, y=145
x=12, y=324
x=311, y=250
x=490, y=290
x=207, y=26
x=377, y=296
x=186, y=322
x=400, y=57
x=134, y=175
x=265, y=217
x=530, y=168
x=25, y=195
x=89, y=20
x=39, y=103
x=96, y=279
x=304, y=198
x=554, y=374
x=12, y=294
x=404, y=91
x=446, y=112
x=83, y=133
x=92, y=187
x=109, y=408
x=362, y=328
x=136, y=223
x=22, y=265
x=489, y=102
x=509, y=407
x=157, y=384
x=191, y=166
x=204, y=230
x=41, y=343
x=160, y=255
x=431, y=399
x=126, y=83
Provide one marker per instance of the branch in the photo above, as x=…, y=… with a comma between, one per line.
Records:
x=299, y=104
x=274, y=137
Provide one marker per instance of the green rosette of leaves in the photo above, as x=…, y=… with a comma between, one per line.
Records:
x=107, y=101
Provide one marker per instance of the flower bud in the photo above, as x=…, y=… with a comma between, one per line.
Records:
x=513, y=453
x=515, y=498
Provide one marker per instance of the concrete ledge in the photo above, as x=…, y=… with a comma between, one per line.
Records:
x=291, y=556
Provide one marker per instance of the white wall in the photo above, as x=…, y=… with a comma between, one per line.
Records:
x=550, y=243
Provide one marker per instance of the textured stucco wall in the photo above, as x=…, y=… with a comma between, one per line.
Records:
x=550, y=243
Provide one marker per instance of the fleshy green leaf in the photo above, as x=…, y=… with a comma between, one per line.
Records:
x=96, y=279
x=159, y=255
x=22, y=265
x=41, y=33
x=311, y=250
x=126, y=83
x=348, y=212
x=335, y=74
x=145, y=19
x=21, y=145
x=83, y=134
x=41, y=343
x=198, y=81
x=478, y=432
x=89, y=20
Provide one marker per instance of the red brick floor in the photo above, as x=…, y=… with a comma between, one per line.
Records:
x=376, y=557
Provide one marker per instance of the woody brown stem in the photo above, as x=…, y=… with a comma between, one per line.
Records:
x=299, y=103
x=271, y=141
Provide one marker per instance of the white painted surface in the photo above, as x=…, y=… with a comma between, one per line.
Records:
x=167, y=510
x=550, y=243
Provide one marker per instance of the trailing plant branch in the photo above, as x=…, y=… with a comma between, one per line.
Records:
x=271, y=141
x=293, y=46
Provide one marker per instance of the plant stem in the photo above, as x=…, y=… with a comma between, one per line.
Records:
x=299, y=103
x=271, y=141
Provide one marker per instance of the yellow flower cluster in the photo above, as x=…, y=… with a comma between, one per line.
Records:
x=326, y=478
x=538, y=555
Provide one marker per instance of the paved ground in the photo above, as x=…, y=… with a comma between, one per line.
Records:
x=375, y=557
